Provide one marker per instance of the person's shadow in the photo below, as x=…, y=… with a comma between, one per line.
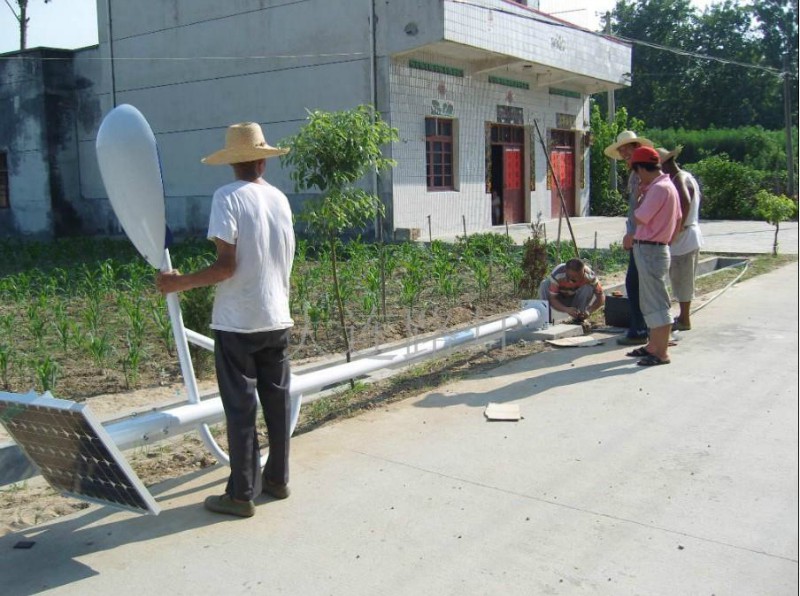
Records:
x=536, y=383
x=54, y=558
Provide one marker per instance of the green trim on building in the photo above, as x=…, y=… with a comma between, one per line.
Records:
x=437, y=68
x=509, y=82
x=564, y=92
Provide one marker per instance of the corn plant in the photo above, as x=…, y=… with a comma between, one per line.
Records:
x=6, y=324
x=88, y=283
x=372, y=288
x=444, y=270
x=163, y=324
x=412, y=281
x=9, y=288
x=63, y=326
x=36, y=323
x=136, y=319
x=480, y=272
x=58, y=280
x=132, y=360
x=91, y=313
x=139, y=277
x=99, y=348
x=107, y=276
x=5, y=361
x=515, y=274
x=319, y=313
x=46, y=371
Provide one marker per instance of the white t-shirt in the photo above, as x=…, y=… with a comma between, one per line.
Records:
x=256, y=217
x=690, y=238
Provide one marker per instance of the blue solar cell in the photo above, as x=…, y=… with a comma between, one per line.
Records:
x=73, y=451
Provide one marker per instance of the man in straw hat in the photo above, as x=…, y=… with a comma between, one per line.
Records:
x=622, y=149
x=251, y=226
x=685, y=248
x=657, y=218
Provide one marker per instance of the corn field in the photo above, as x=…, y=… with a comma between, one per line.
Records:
x=81, y=316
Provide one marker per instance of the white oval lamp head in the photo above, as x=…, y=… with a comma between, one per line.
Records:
x=131, y=172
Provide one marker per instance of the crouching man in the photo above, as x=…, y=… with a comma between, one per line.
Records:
x=573, y=288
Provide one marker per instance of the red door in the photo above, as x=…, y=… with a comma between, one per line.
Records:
x=562, y=158
x=513, y=206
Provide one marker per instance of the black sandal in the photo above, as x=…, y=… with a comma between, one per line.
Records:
x=638, y=353
x=652, y=360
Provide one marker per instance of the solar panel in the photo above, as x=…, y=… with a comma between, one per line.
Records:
x=73, y=451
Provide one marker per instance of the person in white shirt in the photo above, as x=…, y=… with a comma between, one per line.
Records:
x=685, y=247
x=251, y=226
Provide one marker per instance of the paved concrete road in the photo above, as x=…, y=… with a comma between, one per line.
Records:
x=743, y=237
x=672, y=480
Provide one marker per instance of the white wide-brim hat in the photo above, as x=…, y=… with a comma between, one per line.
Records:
x=665, y=155
x=624, y=138
x=243, y=142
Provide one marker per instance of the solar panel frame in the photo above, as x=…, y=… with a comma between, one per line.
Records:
x=73, y=452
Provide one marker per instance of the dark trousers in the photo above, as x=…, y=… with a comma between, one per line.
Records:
x=638, y=328
x=247, y=362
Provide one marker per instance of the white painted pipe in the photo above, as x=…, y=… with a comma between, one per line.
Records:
x=179, y=333
x=156, y=426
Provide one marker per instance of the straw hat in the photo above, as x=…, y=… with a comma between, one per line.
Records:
x=243, y=142
x=665, y=155
x=623, y=138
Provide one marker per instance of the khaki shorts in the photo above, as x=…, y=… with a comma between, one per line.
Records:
x=652, y=261
x=682, y=271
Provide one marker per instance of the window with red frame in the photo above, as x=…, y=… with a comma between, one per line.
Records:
x=439, y=153
x=3, y=181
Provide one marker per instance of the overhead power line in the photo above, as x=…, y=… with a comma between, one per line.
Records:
x=775, y=71
x=531, y=17
x=630, y=40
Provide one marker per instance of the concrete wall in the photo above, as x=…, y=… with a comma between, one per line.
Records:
x=37, y=131
x=193, y=67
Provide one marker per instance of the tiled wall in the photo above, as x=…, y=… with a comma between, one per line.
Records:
x=475, y=102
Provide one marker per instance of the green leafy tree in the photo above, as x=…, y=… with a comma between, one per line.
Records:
x=774, y=209
x=777, y=24
x=751, y=96
x=332, y=152
x=673, y=86
x=21, y=14
x=606, y=200
x=729, y=187
x=656, y=89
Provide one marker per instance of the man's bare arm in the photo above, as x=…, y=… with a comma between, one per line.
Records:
x=221, y=269
x=685, y=196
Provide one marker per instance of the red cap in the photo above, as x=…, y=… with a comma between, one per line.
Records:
x=645, y=155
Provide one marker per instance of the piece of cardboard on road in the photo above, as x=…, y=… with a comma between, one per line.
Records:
x=495, y=411
x=580, y=341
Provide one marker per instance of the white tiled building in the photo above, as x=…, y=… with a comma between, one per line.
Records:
x=466, y=82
